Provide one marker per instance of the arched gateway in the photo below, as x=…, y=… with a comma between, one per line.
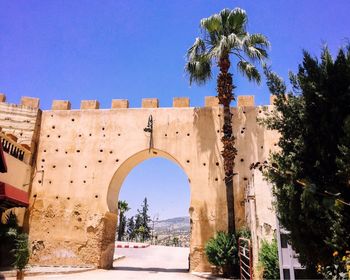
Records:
x=84, y=155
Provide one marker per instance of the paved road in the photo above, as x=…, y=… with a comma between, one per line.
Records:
x=152, y=263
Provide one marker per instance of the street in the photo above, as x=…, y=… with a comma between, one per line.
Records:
x=152, y=263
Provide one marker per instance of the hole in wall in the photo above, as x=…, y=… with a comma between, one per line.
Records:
x=218, y=131
x=85, y=166
x=104, y=135
x=84, y=181
x=34, y=195
x=177, y=132
x=216, y=179
x=117, y=160
x=56, y=150
x=119, y=134
x=48, y=135
x=90, y=134
x=68, y=198
x=100, y=161
x=65, y=152
x=53, y=127
x=53, y=166
x=71, y=181
x=187, y=161
x=69, y=165
x=44, y=151
x=50, y=182
x=39, y=181
x=217, y=164
x=165, y=135
x=79, y=135
x=78, y=151
x=73, y=120
x=204, y=164
x=262, y=147
x=96, y=196
x=245, y=178
x=103, y=128
x=101, y=150
x=111, y=152
x=59, y=136
x=188, y=134
x=219, y=115
x=43, y=160
x=242, y=159
x=56, y=196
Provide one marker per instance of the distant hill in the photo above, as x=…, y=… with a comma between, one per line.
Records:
x=168, y=230
x=178, y=223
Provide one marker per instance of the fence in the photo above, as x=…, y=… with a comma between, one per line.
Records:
x=245, y=258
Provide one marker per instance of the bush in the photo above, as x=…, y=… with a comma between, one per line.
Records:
x=268, y=258
x=21, y=252
x=221, y=251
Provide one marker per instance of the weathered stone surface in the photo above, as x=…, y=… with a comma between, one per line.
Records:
x=89, y=104
x=150, y=103
x=211, y=101
x=61, y=105
x=30, y=102
x=181, y=102
x=2, y=97
x=245, y=100
x=120, y=103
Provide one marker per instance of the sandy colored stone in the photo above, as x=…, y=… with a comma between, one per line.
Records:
x=245, y=100
x=120, y=103
x=2, y=97
x=30, y=102
x=150, y=103
x=61, y=105
x=211, y=101
x=89, y=104
x=181, y=102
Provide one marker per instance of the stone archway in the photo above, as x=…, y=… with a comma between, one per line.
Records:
x=113, y=194
x=86, y=154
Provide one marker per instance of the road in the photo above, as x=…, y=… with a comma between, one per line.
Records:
x=152, y=263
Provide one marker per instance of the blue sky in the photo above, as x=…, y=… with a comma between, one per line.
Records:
x=84, y=49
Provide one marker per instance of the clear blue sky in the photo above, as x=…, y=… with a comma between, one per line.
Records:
x=81, y=49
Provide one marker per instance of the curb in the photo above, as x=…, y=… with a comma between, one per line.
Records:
x=132, y=246
x=27, y=272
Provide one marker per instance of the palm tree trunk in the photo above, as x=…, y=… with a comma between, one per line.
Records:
x=120, y=228
x=225, y=96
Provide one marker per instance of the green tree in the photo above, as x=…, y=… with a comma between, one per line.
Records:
x=225, y=38
x=310, y=172
x=21, y=254
x=142, y=221
x=268, y=258
x=131, y=228
x=122, y=207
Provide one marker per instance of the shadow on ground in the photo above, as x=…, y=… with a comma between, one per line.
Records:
x=151, y=269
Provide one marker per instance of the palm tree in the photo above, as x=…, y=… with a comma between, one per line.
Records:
x=225, y=38
x=122, y=207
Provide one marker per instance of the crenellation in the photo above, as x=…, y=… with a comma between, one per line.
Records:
x=89, y=104
x=150, y=102
x=31, y=102
x=120, y=103
x=179, y=102
x=245, y=101
x=2, y=97
x=61, y=105
x=211, y=101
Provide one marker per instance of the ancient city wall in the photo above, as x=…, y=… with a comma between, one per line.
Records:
x=85, y=155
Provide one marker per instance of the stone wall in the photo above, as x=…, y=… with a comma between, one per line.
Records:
x=85, y=155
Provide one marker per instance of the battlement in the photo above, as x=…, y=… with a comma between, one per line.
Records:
x=178, y=102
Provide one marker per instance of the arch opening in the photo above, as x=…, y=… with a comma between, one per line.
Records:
x=172, y=236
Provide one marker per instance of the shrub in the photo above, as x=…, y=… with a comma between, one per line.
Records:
x=221, y=251
x=268, y=258
x=21, y=252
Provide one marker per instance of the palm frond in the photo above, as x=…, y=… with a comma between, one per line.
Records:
x=226, y=44
x=199, y=69
x=249, y=70
x=237, y=21
x=255, y=46
x=197, y=49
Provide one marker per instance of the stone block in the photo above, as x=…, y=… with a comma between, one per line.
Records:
x=181, y=102
x=150, y=103
x=31, y=102
x=61, y=105
x=120, y=103
x=245, y=101
x=89, y=104
x=211, y=101
x=2, y=97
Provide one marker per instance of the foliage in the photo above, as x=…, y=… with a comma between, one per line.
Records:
x=131, y=229
x=243, y=232
x=122, y=207
x=221, y=251
x=310, y=171
x=268, y=258
x=21, y=251
x=142, y=222
x=9, y=229
x=224, y=35
x=339, y=269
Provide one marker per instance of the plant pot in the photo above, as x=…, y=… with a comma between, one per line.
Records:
x=20, y=275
